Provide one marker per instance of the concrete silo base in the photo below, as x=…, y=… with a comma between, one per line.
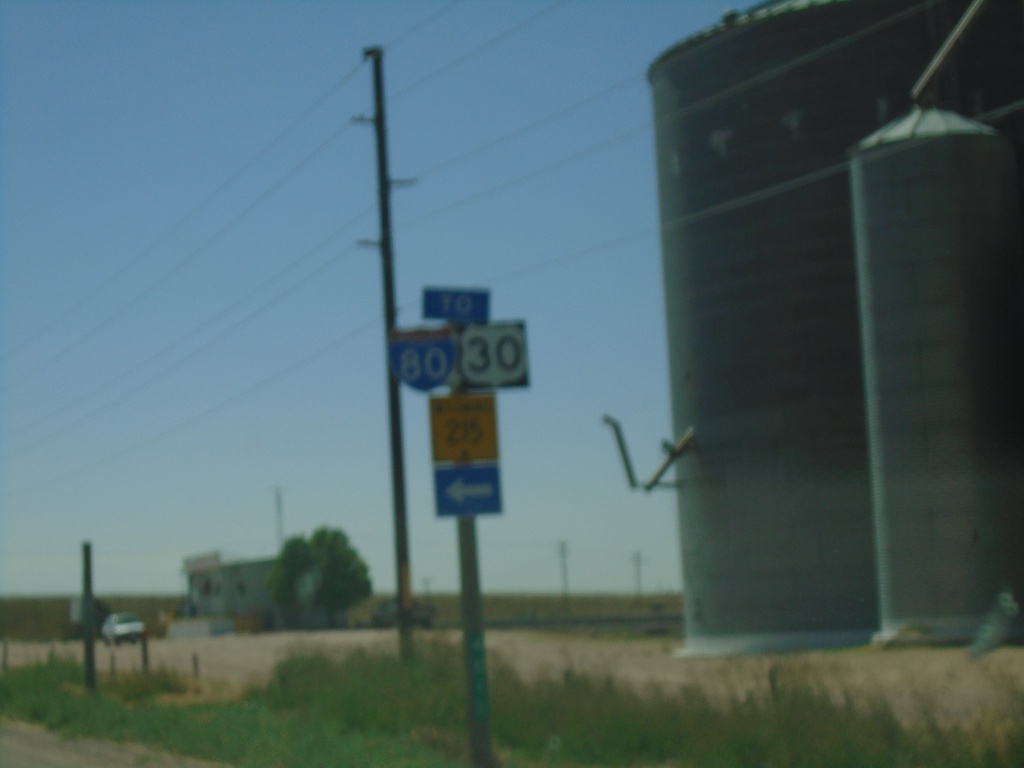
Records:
x=781, y=642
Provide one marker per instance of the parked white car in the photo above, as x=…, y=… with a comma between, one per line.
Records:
x=122, y=627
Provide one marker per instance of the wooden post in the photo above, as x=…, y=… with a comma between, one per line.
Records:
x=88, y=619
x=475, y=657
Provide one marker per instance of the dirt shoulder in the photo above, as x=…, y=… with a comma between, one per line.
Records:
x=31, y=746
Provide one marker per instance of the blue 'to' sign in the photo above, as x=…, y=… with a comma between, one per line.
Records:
x=456, y=305
x=423, y=358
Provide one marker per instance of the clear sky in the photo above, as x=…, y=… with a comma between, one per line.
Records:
x=189, y=322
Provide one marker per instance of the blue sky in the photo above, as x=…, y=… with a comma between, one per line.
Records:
x=189, y=322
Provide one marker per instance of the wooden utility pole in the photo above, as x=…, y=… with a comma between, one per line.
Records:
x=405, y=646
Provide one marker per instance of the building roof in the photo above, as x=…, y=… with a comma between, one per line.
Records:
x=926, y=123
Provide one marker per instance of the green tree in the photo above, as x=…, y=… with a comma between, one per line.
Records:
x=324, y=571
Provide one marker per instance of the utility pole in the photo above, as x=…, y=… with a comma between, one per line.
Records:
x=405, y=647
x=563, y=554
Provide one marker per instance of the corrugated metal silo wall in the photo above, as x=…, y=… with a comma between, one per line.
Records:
x=940, y=276
x=764, y=350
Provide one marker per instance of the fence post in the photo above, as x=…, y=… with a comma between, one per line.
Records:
x=145, y=652
x=88, y=618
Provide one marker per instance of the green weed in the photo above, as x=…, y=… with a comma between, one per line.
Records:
x=370, y=709
x=583, y=719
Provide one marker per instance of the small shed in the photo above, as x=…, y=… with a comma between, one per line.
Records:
x=237, y=590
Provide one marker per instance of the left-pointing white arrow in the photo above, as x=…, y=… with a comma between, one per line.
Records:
x=460, y=491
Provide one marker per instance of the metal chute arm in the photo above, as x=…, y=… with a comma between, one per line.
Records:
x=677, y=450
x=623, y=451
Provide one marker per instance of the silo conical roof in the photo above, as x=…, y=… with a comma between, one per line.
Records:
x=927, y=123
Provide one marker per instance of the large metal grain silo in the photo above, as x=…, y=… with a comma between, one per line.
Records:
x=754, y=119
x=939, y=263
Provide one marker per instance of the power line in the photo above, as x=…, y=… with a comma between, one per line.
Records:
x=526, y=129
x=473, y=53
x=422, y=24
x=89, y=296
x=207, y=413
x=188, y=357
x=271, y=281
x=76, y=306
x=527, y=177
x=178, y=266
x=711, y=211
x=732, y=90
x=153, y=287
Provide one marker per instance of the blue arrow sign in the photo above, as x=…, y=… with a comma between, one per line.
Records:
x=467, y=489
x=423, y=358
x=456, y=305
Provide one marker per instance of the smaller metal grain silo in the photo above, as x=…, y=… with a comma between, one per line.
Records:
x=938, y=247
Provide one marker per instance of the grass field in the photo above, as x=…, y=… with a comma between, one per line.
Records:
x=49, y=618
x=367, y=708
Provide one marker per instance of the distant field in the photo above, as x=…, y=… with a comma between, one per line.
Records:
x=49, y=618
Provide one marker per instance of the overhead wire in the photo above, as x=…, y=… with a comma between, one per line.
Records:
x=524, y=178
x=211, y=342
x=192, y=354
x=154, y=286
x=474, y=52
x=269, y=282
x=191, y=214
x=421, y=25
x=76, y=306
x=207, y=413
x=139, y=298
x=527, y=129
x=758, y=79
x=606, y=245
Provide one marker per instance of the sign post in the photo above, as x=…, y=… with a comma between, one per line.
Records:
x=474, y=652
x=464, y=436
x=465, y=448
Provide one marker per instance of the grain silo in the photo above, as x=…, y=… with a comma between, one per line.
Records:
x=754, y=119
x=939, y=264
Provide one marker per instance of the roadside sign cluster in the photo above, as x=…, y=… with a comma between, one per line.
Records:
x=472, y=356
